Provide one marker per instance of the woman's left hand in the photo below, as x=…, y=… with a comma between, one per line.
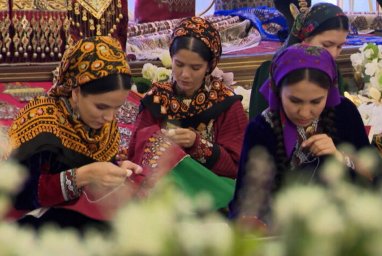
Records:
x=130, y=167
x=184, y=137
x=320, y=144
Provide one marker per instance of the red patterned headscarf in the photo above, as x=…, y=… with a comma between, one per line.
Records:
x=87, y=60
x=203, y=30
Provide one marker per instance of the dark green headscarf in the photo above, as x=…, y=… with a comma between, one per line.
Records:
x=306, y=23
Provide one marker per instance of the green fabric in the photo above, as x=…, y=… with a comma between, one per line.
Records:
x=257, y=103
x=193, y=178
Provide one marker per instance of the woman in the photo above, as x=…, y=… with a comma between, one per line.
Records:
x=323, y=25
x=196, y=112
x=305, y=123
x=67, y=141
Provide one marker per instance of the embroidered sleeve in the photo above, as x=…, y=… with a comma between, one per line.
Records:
x=204, y=151
x=68, y=183
x=43, y=187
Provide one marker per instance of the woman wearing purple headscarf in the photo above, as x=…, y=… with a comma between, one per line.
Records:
x=305, y=122
x=324, y=25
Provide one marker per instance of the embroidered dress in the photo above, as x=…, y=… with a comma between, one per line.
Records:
x=50, y=140
x=217, y=145
x=259, y=133
x=283, y=141
x=214, y=112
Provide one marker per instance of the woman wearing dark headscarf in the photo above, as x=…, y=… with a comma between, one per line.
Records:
x=195, y=111
x=305, y=122
x=324, y=25
x=68, y=140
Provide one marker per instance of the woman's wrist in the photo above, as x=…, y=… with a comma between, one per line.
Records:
x=70, y=189
x=82, y=177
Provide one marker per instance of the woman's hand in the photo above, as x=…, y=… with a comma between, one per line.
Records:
x=130, y=167
x=184, y=137
x=320, y=144
x=106, y=174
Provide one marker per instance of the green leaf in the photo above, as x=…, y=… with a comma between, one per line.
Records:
x=375, y=50
x=143, y=84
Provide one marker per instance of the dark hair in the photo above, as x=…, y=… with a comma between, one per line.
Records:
x=193, y=44
x=335, y=23
x=312, y=75
x=107, y=84
x=326, y=118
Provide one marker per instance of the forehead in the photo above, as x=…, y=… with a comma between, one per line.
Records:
x=304, y=90
x=189, y=57
x=113, y=98
x=334, y=35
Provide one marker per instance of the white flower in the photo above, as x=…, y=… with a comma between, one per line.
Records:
x=374, y=93
x=299, y=202
x=246, y=96
x=372, y=67
x=327, y=221
x=368, y=64
x=365, y=210
x=162, y=75
x=356, y=59
x=368, y=53
x=198, y=238
x=148, y=71
x=376, y=80
x=165, y=58
x=12, y=176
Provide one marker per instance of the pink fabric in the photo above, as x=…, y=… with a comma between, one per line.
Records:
x=156, y=10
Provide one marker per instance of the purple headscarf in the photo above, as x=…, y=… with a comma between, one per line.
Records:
x=299, y=56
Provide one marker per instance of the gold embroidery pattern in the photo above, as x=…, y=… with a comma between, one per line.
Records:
x=50, y=115
x=3, y=5
x=95, y=17
x=95, y=7
x=39, y=31
x=41, y=5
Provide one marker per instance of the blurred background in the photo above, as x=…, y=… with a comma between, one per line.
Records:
x=347, y=5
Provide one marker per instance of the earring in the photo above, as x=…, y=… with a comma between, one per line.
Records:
x=75, y=112
x=207, y=82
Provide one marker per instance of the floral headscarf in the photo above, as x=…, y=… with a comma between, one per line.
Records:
x=307, y=22
x=299, y=56
x=203, y=30
x=44, y=120
x=87, y=60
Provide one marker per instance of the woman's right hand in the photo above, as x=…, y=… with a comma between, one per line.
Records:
x=104, y=174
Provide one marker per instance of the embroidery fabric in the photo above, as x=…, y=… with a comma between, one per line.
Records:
x=302, y=155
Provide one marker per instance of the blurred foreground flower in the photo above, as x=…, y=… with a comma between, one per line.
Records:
x=340, y=218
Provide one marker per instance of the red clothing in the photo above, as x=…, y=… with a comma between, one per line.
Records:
x=223, y=150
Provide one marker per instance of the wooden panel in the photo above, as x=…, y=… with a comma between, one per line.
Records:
x=243, y=67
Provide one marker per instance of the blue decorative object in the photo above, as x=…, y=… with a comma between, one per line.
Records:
x=269, y=21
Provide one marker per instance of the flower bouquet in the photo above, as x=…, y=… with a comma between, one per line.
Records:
x=152, y=73
x=367, y=64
